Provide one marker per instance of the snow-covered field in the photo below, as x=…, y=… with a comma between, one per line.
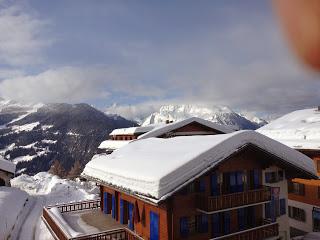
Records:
x=22, y=203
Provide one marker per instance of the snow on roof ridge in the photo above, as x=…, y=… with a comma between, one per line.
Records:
x=7, y=166
x=157, y=167
x=172, y=126
x=132, y=130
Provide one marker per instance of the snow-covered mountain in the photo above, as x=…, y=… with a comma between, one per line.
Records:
x=218, y=114
x=33, y=136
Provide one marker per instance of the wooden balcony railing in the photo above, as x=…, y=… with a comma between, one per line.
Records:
x=267, y=230
x=216, y=203
x=77, y=206
x=60, y=234
x=115, y=234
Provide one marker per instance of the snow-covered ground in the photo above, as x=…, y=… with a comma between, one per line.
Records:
x=23, y=203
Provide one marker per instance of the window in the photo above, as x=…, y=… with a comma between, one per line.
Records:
x=270, y=177
x=184, y=230
x=316, y=219
x=283, y=206
x=296, y=188
x=280, y=175
x=202, y=223
x=274, y=177
x=297, y=214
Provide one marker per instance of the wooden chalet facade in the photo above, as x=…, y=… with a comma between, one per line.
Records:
x=304, y=196
x=232, y=201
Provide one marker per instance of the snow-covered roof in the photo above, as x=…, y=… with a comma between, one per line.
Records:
x=299, y=129
x=156, y=132
x=113, y=144
x=133, y=130
x=7, y=165
x=157, y=167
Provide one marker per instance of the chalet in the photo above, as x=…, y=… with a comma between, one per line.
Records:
x=191, y=126
x=301, y=130
x=189, y=187
x=7, y=171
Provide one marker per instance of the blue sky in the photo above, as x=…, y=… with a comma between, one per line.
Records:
x=146, y=53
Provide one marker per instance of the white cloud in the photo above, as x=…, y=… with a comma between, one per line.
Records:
x=74, y=84
x=20, y=39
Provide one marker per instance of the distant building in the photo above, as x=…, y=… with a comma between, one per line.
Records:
x=301, y=131
x=220, y=187
x=7, y=171
x=191, y=126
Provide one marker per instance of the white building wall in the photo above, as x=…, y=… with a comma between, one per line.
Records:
x=306, y=226
x=284, y=227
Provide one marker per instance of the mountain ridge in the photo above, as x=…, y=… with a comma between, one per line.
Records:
x=218, y=114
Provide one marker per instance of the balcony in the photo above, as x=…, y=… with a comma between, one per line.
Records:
x=113, y=230
x=266, y=230
x=234, y=200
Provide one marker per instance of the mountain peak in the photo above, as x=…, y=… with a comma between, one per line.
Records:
x=215, y=113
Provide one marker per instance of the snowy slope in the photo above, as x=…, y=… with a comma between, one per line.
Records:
x=22, y=204
x=13, y=202
x=218, y=114
x=298, y=129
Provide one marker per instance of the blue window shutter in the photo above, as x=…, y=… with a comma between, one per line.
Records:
x=256, y=178
x=203, y=223
x=241, y=219
x=214, y=185
x=283, y=206
x=202, y=185
x=121, y=211
x=113, y=206
x=184, y=230
x=239, y=181
x=105, y=202
x=130, y=209
x=267, y=177
x=154, y=226
x=226, y=222
x=215, y=225
x=233, y=183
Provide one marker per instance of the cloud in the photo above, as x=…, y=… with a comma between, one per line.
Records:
x=21, y=41
x=137, y=112
x=75, y=84
x=219, y=56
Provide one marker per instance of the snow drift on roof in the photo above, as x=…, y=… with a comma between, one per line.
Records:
x=298, y=129
x=157, y=167
x=113, y=144
x=156, y=132
x=7, y=165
